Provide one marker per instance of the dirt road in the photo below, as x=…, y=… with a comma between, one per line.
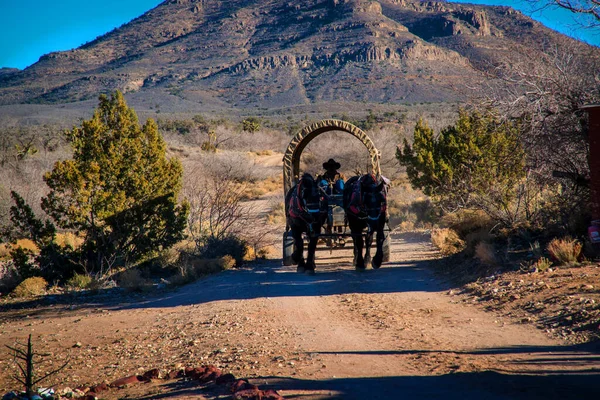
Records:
x=393, y=333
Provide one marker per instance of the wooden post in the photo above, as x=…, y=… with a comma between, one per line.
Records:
x=594, y=161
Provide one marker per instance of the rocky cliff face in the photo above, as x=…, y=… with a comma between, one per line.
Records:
x=270, y=53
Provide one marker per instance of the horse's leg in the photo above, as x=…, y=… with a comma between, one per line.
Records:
x=378, y=259
x=298, y=256
x=357, y=238
x=368, y=243
x=310, y=257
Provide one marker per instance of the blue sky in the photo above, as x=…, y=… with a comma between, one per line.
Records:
x=555, y=18
x=32, y=28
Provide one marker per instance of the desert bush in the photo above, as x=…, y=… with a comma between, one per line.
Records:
x=227, y=246
x=192, y=267
x=542, y=264
x=474, y=238
x=251, y=124
x=133, y=280
x=478, y=163
x=486, y=254
x=79, y=281
x=168, y=258
x=447, y=241
x=35, y=286
x=565, y=251
x=418, y=214
x=464, y=222
x=536, y=250
x=216, y=210
x=119, y=190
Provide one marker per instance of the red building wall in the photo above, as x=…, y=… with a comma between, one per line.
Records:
x=594, y=140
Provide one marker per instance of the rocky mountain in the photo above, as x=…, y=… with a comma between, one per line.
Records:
x=273, y=53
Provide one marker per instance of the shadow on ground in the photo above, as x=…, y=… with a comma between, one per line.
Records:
x=335, y=275
x=488, y=385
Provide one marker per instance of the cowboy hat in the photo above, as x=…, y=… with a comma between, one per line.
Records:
x=331, y=164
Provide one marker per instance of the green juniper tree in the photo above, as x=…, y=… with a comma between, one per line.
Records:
x=479, y=163
x=119, y=190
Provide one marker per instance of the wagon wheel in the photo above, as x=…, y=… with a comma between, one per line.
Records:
x=288, y=248
x=386, y=243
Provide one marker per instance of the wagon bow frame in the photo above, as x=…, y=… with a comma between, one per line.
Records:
x=291, y=157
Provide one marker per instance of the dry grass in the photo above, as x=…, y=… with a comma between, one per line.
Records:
x=68, y=239
x=447, y=241
x=266, y=252
x=26, y=244
x=263, y=153
x=258, y=189
x=486, y=254
x=35, y=286
x=565, y=251
x=277, y=214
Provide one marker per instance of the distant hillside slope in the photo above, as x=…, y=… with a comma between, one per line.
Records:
x=268, y=53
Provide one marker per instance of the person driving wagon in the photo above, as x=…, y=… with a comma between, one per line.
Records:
x=331, y=180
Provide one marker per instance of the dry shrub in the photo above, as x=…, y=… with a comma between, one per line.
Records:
x=473, y=239
x=565, y=251
x=226, y=262
x=249, y=254
x=133, y=280
x=417, y=214
x=168, y=258
x=192, y=267
x=258, y=189
x=264, y=252
x=447, y=241
x=35, y=286
x=542, y=264
x=404, y=226
x=79, y=281
x=464, y=222
x=68, y=239
x=485, y=253
x=277, y=214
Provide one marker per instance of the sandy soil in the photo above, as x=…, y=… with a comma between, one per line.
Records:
x=397, y=332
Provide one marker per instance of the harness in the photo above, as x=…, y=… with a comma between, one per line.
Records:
x=356, y=205
x=299, y=209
